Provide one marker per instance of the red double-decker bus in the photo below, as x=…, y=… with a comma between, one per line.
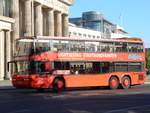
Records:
x=63, y=62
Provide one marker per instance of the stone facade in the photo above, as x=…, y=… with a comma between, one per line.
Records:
x=29, y=18
x=5, y=45
x=41, y=17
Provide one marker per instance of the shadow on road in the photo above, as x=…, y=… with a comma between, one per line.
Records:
x=101, y=90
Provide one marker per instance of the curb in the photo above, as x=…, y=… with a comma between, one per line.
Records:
x=147, y=83
x=6, y=87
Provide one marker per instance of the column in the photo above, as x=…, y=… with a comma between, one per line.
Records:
x=38, y=20
x=28, y=18
x=15, y=14
x=65, y=25
x=1, y=7
x=50, y=22
x=16, y=31
x=8, y=54
x=45, y=24
x=58, y=24
x=2, y=55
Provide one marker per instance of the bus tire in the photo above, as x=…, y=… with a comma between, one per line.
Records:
x=113, y=82
x=58, y=85
x=125, y=82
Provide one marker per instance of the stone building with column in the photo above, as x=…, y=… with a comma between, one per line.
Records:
x=21, y=18
x=6, y=22
x=41, y=17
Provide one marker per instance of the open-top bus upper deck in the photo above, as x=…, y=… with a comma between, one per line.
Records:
x=66, y=48
x=48, y=38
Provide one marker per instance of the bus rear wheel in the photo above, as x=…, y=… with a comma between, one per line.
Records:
x=113, y=83
x=58, y=85
x=126, y=82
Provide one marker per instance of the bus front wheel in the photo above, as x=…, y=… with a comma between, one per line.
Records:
x=113, y=83
x=58, y=85
x=126, y=82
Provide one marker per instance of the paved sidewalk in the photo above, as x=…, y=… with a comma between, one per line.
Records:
x=5, y=84
x=147, y=79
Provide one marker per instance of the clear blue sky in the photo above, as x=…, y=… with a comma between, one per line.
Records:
x=135, y=14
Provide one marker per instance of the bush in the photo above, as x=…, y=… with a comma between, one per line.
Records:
x=148, y=59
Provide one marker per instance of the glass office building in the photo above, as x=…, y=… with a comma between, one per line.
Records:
x=92, y=20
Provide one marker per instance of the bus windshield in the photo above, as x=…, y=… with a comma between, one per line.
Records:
x=24, y=48
x=30, y=47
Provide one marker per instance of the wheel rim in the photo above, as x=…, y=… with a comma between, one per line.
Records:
x=114, y=83
x=60, y=84
x=126, y=82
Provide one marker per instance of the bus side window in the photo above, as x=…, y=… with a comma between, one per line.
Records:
x=41, y=68
x=71, y=70
x=47, y=66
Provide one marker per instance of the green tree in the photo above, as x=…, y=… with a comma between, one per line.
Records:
x=148, y=58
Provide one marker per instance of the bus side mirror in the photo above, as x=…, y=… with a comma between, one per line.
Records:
x=8, y=66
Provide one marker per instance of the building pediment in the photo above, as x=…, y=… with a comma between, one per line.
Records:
x=69, y=2
x=59, y=5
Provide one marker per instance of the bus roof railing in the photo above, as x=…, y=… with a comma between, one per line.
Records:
x=124, y=39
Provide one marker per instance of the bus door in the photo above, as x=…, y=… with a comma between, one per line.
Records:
x=104, y=67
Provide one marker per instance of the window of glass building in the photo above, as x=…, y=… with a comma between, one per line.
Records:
x=95, y=25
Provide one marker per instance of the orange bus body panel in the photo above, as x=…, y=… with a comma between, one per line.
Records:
x=84, y=80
